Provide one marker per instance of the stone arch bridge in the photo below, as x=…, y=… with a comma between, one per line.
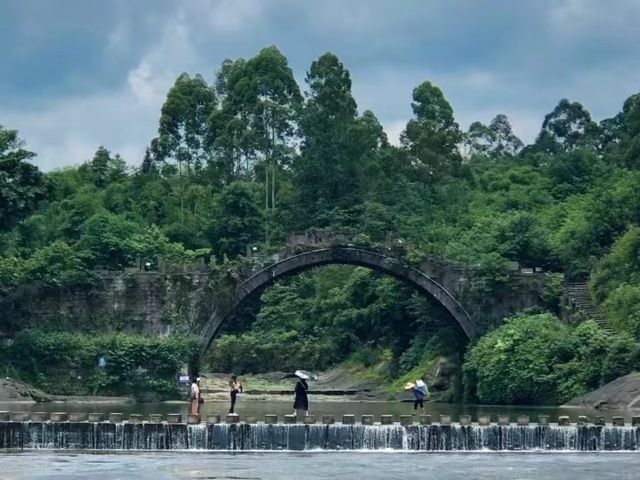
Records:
x=447, y=285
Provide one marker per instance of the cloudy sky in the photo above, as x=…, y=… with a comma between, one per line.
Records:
x=76, y=74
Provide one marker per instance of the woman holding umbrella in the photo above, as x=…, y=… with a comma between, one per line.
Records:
x=300, y=400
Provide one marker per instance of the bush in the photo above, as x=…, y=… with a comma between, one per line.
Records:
x=537, y=359
x=65, y=363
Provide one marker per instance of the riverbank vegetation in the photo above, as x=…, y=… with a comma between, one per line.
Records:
x=242, y=160
x=66, y=363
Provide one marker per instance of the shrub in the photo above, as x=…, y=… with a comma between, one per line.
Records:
x=65, y=363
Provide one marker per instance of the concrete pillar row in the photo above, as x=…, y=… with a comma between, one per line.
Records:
x=366, y=420
x=116, y=417
x=58, y=417
x=328, y=419
x=174, y=418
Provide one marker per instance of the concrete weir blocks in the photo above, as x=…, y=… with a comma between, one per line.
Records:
x=465, y=420
x=290, y=418
x=95, y=417
x=328, y=419
x=77, y=417
x=386, y=419
x=564, y=421
x=348, y=419
x=155, y=418
x=504, y=420
x=174, y=417
x=366, y=420
x=617, y=421
x=270, y=419
x=582, y=420
x=523, y=420
x=58, y=417
x=233, y=418
x=212, y=418
x=5, y=416
x=193, y=419
x=309, y=420
x=425, y=420
x=39, y=416
x=406, y=420
x=484, y=420
x=135, y=418
x=599, y=421
x=543, y=420
x=445, y=419
x=635, y=421
x=116, y=417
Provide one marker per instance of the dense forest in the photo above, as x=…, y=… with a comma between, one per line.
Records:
x=250, y=157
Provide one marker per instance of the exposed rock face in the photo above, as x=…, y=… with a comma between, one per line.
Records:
x=441, y=376
x=623, y=392
x=17, y=391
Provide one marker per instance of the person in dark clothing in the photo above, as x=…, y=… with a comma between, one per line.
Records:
x=234, y=388
x=301, y=402
x=419, y=399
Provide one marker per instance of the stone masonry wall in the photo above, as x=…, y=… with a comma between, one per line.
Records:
x=138, y=302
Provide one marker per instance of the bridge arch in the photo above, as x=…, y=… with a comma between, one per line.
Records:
x=338, y=256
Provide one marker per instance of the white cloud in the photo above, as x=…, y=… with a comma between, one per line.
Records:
x=394, y=128
x=68, y=131
x=228, y=16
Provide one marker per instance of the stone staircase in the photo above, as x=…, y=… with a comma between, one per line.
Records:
x=579, y=300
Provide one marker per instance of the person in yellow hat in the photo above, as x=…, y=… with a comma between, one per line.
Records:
x=419, y=390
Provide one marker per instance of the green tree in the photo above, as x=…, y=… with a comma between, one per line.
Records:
x=22, y=185
x=328, y=173
x=433, y=136
x=631, y=131
x=275, y=102
x=104, y=169
x=183, y=132
x=237, y=222
x=566, y=128
x=496, y=140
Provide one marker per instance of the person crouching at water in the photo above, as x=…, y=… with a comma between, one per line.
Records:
x=301, y=402
x=195, y=396
x=235, y=387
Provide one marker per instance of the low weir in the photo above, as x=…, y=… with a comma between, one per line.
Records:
x=115, y=434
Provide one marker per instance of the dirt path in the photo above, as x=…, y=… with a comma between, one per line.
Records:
x=336, y=384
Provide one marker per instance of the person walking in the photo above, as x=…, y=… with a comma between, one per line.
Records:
x=300, y=401
x=195, y=396
x=420, y=391
x=235, y=387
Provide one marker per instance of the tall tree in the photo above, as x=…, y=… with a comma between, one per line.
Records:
x=260, y=99
x=183, y=123
x=432, y=137
x=278, y=102
x=104, y=168
x=327, y=170
x=631, y=129
x=22, y=185
x=566, y=128
x=496, y=140
x=229, y=136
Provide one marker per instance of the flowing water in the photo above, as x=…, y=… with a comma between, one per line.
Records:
x=321, y=465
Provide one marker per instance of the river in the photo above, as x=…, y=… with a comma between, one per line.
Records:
x=318, y=465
